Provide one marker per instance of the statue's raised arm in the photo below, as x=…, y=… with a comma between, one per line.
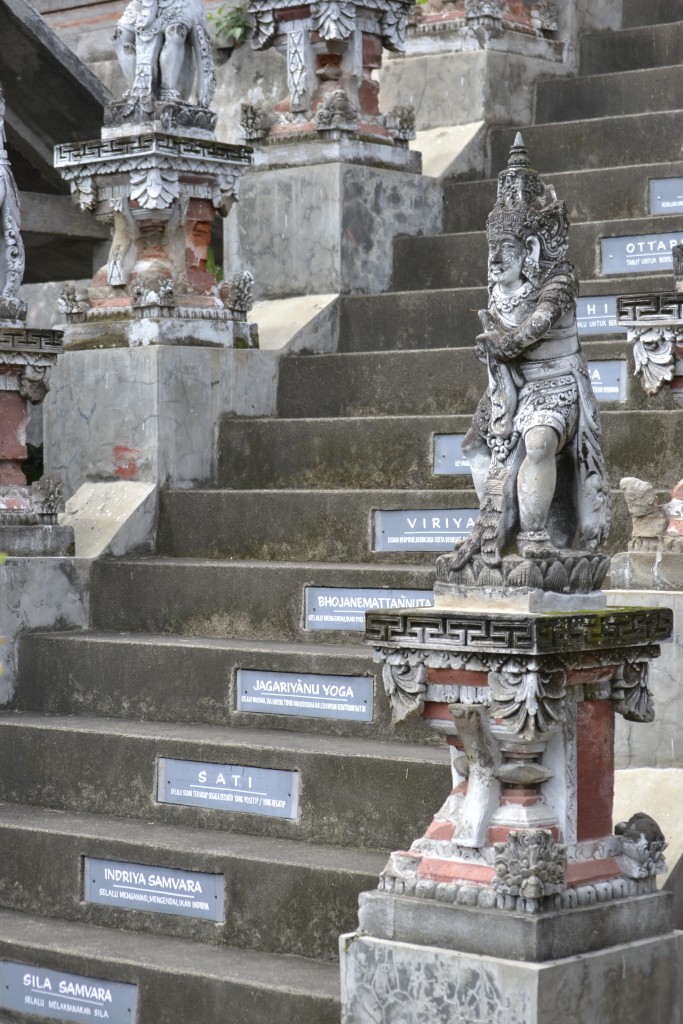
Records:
x=534, y=444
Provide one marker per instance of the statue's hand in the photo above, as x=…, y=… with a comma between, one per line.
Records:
x=488, y=343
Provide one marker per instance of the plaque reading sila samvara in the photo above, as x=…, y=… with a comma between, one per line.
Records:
x=154, y=889
x=31, y=990
x=229, y=787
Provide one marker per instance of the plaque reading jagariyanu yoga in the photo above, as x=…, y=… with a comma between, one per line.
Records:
x=305, y=695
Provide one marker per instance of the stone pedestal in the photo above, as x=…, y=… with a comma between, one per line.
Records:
x=28, y=515
x=328, y=227
x=521, y=862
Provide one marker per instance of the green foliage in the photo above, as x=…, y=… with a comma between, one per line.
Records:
x=212, y=266
x=232, y=24
x=3, y=558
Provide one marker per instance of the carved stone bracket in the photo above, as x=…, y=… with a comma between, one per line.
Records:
x=530, y=702
x=654, y=325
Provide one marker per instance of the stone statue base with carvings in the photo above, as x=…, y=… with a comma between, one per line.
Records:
x=521, y=900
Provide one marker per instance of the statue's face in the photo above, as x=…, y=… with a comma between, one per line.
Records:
x=506, y=256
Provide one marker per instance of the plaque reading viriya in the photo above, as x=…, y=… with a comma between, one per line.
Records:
x=309, y=696
x=422, y=529
x=158, y=890
x=27, y=989
x=229, y=787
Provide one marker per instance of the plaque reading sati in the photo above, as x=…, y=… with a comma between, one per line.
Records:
x=154, y=889
x=229, y=787
x=348, y=698
x=37, y=992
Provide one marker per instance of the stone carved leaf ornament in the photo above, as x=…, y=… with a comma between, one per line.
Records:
x=530, y=864
x=653, y=355
x=154, y=188
x=531, y=703
x=405, y=683
x=333, y=19
x=265, y=25
x=632, y=693
x=393, y=25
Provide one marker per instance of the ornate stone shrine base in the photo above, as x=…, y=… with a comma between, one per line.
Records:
x=521, y=865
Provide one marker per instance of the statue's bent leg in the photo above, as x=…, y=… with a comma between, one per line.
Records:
x=537, y=478
x=124, y=47
x=171, y=60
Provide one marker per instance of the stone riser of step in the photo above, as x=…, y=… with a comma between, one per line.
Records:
x=398, y=452
x=411, y=383
x=178, y=981
x=648, y=46
x=609, y=95
x=191, y=680
x=613, y=193
x=280, y=897
x=650, y=12
x=602, y=142
x=244, y=600
x=372, y=796
x=419, y=320
x=330, y=526
x=459, y=260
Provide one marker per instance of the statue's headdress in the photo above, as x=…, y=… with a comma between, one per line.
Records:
x=526, y=206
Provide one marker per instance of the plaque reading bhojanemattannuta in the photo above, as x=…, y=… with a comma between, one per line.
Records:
x=158, y=890
x=32, y=990
x=229, y=787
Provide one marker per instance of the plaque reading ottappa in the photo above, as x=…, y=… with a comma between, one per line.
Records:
x=229, y=787
x=157, y=890
x=56, y=995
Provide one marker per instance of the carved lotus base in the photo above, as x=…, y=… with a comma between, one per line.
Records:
x=146, y=114
x=560, y=572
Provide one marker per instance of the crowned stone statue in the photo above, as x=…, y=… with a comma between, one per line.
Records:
x=12, y=308
x=534, y=443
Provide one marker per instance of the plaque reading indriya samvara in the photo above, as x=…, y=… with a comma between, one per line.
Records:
x=154, y=889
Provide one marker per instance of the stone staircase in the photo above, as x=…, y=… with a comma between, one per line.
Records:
x=291, y=507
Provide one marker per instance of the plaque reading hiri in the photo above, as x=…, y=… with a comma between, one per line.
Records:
x=229, y=787
x=157, y=890
x=597, y=314
x=422, y=529
x=639, y=254
x=309, y=696
x=344, y=608
x=56, y=995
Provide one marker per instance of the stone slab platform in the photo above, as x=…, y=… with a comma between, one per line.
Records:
x=41, y=541
x=531, y=938
x=400, y=983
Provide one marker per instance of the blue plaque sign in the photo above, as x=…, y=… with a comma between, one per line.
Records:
x=639, y=254
x=666, y=196
x=229, y=787
x=608, y=378
x=597, y=314
x=309, y=696
x=59, y=996
x=342, y=608
x=158, y=890
x=448, y=457
x=422, y=529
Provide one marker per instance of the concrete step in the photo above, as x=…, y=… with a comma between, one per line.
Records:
x=650, y=12
x=145, y=677
x=292, y=525
x=397, y=451
x=265, y=879
x=351, y=793
x=437, y=318
x=612, y=193
x=597, y=142
x=367, y=384
x=459, y=260
x=248, y=599
x=609, y=95
x=178, y=981
x=646, y=46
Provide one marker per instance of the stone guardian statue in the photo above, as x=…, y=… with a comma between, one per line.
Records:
x=11, y=244
x=534, y=443
x=162, y=46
